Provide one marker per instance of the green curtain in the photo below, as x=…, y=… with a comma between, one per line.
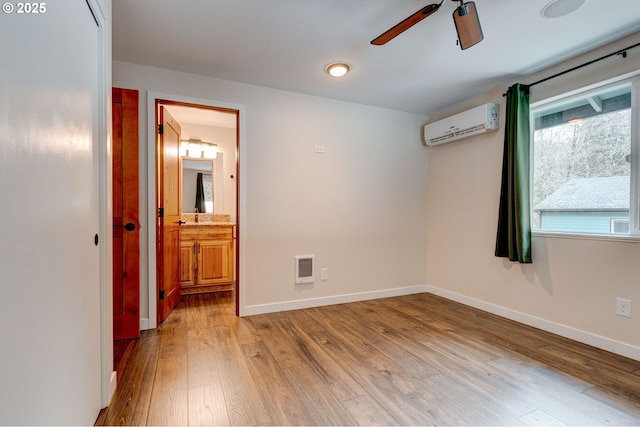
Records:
x=200, y=194
x=514, y=225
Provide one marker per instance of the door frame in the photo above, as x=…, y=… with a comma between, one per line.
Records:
x=152, y=98
x=108, y=377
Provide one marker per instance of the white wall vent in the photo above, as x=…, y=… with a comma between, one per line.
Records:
x=304, y=269
x=481, y=119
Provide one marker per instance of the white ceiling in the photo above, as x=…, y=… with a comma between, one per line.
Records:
x=202, y=116
x=287, y=44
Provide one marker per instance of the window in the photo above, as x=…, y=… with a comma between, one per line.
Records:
x=620, y=225
x=207, y=184
x=582, y=163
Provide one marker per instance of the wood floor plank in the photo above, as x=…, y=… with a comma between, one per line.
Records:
x=304, y=319
x=173, y=333
x=320, y=403
x=169, y=400
x=539, y=418
x=478, y=375
x=130, y=403
x=411, y=354
x=613, y=400
x=367, y=412
x=409, y=360
x=438, y=388
x=377, y=384
x=345, y=321
x=281, y=400
x=558, y=396
x=286, y=351
x=207, y=406
x=203, y=366
x=386, y=315
x=326, y=366
x=244, y=404
x=596, y=371
x=243, y=330
x=476, y=407
x=415, y=392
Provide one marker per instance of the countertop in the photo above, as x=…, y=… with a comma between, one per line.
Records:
x=206, y=220
x=194, y=224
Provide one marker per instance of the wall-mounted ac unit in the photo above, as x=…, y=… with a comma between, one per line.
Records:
x=481, y=119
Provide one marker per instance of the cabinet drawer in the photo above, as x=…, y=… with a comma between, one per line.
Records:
x=208, y=233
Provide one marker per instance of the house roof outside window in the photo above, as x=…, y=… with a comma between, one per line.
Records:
x=589, y=194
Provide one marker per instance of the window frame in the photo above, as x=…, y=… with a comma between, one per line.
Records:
x=634, y=196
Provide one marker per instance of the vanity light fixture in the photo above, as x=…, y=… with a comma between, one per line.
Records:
x=194, y=149
x=338, y=69
x=197, y=149
x=209, y=151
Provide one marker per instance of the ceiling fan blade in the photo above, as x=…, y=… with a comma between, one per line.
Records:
x=405, y=25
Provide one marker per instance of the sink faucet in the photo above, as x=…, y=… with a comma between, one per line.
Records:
x=196, y=210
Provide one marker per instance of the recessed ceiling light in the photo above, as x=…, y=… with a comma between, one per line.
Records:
x=338, y=69
x=558, y=8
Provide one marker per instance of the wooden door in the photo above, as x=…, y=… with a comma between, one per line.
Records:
x=126, y=237
x=168, y=228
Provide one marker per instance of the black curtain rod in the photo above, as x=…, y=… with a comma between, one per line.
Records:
x=622, y=52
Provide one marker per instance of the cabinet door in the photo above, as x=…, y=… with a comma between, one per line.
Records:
x=215, y=262
x=187, y=264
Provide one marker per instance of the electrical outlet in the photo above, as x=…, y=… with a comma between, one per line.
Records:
x=623, y=307
x=318, y=149
x=324, y=274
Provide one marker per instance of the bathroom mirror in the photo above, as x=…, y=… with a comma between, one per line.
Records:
x=190, y=170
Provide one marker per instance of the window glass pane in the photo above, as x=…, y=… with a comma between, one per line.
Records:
x=581, y=163
x=208, y=192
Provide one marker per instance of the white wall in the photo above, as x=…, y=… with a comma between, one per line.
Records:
x=360, y=208
x=572, y=285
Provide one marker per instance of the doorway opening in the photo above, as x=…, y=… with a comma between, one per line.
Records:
x=179, y=121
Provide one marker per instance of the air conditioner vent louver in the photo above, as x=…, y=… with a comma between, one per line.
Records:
x=481, y=119
x=304, y=269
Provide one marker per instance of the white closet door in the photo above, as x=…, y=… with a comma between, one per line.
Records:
x=49, y=199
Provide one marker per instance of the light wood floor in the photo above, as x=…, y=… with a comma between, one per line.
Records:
x=411, y=360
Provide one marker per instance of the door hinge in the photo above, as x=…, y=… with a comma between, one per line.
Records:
x=160, y=129
x=160, y=212
x=161, y=296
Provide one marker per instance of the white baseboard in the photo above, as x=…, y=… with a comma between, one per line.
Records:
x=336, y=299
x=113, y=383
x=594, y=340
x=144, y=324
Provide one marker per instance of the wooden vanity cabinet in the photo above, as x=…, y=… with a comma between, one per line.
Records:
x=206, y=259
x=187, y=264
